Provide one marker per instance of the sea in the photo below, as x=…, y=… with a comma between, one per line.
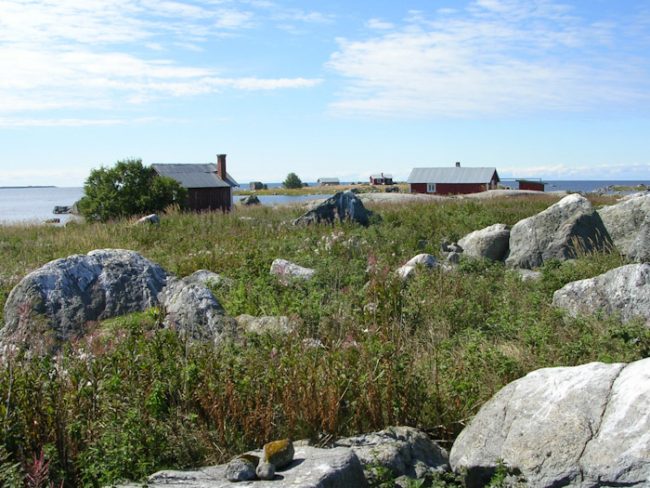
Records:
x=34, y=205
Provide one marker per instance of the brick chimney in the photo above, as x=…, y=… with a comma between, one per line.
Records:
x=221, y=166
x=457, y=164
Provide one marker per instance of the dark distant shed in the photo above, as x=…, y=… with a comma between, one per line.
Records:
x=209, y=185
x=535, y=185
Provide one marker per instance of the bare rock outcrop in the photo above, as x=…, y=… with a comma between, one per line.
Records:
x=311, y=468
x=583, y=426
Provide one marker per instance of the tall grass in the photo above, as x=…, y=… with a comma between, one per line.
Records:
x=132, y=398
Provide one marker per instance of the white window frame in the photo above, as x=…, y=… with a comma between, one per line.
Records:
x=431, y=187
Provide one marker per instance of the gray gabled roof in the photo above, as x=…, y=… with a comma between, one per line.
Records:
x=327, y=180
x=452, y=175
x=383, y=175
x=195, y=175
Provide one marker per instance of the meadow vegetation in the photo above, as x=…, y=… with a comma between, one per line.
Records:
x=133, y=398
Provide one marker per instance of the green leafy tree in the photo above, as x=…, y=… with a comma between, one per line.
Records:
x=127, y=189
x=292, y=181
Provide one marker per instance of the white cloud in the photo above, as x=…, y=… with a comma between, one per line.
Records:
x=233, y=19
x=563, y=171
x=103, y=54
x=379, y=24
x=497, y=57
x=17, y=123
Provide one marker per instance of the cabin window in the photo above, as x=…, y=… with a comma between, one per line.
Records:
x=431, y=187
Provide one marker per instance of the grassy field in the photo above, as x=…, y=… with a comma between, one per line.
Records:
x=132, y=398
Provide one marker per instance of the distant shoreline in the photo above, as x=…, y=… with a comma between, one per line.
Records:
x=24, y=187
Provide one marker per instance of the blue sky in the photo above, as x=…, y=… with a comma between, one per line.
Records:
x=538, y=88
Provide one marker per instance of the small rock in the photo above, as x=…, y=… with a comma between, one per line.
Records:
x=281, y=325
x=265, y=471
x=423, y=260
x=242, y=468
x=529, y=275
x=250, y=200
x=453, y=257
x=208, y=278
x=279, y=453
x=61, y=209
x=149, y=219
x=311, y=343
x=286, y=271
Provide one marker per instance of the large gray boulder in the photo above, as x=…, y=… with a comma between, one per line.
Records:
x=628, y=224
x=344, y=205
x=311, y=468
x=192, y=310
x=584, y=426
x=561, y=231
x=624, y=291
x=406, y=451
x=56, y=302
x=489, y=243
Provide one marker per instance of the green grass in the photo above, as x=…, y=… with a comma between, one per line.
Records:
x=133, y=398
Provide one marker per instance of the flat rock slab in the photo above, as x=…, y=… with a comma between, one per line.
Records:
x=311, y=468
x=583, y=426
x=624, y=291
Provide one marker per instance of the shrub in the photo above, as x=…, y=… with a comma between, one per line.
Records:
x=128, y=189
x=292, y=181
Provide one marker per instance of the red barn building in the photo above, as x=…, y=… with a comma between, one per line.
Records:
x=452, y=181
x=381, y=179
x=209, y=186
x=534, y=185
